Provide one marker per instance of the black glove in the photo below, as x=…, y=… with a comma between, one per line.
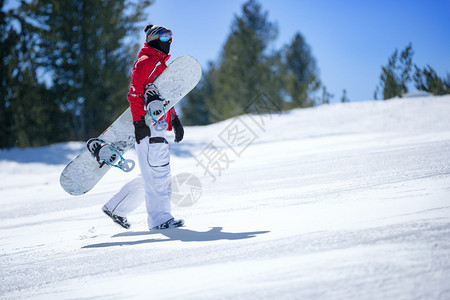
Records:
x=177, y=128
x=141, y=130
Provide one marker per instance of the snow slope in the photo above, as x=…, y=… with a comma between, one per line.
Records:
x=347, y=201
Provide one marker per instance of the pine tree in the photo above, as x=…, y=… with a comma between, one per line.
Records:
x=405, y=67
x=242, y=71
x=249, y=70
x=81, y=45
x=29, y=114
x=426, y=79
x=396, y=74
x=302, y=74
x=64, y=69
x=344, y=97
x=8, y=39
x=195, y=110
x=326, y=96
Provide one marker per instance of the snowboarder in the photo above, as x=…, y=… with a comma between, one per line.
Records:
x=154, y=185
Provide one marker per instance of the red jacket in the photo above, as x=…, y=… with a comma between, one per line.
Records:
x=149, y=65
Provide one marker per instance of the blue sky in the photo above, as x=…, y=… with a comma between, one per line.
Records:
x=350, y=40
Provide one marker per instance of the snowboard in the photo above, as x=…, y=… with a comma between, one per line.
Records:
x=86, y=170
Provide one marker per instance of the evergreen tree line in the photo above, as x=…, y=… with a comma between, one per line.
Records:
x=398, y=73
x=248, y=67
x=64, y=68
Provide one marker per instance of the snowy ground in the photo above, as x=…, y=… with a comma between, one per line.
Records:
x=347, y=201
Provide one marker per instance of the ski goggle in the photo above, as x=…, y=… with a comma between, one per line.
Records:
x=163, y=36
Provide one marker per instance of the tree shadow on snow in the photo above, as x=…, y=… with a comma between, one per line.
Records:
x=179, y=234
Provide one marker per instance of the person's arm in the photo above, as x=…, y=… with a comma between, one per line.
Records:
x=136, y=98
x=136, y=95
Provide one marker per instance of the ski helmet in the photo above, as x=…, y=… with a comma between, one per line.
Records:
x=158, y=37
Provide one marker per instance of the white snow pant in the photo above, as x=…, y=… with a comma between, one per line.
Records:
x=155, y=182
x=130, y=196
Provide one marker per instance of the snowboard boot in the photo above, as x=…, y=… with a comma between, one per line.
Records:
x=122, y=221
x=172, y=223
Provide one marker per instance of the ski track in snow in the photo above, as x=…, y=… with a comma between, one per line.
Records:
x=346, y=201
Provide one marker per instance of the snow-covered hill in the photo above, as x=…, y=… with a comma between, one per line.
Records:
x=347, y=201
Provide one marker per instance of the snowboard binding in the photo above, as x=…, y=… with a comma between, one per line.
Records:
x=106, y=153
x=154, y=109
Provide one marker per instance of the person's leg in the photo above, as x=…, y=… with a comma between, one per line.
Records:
x=130, y=196
x=154, y=162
